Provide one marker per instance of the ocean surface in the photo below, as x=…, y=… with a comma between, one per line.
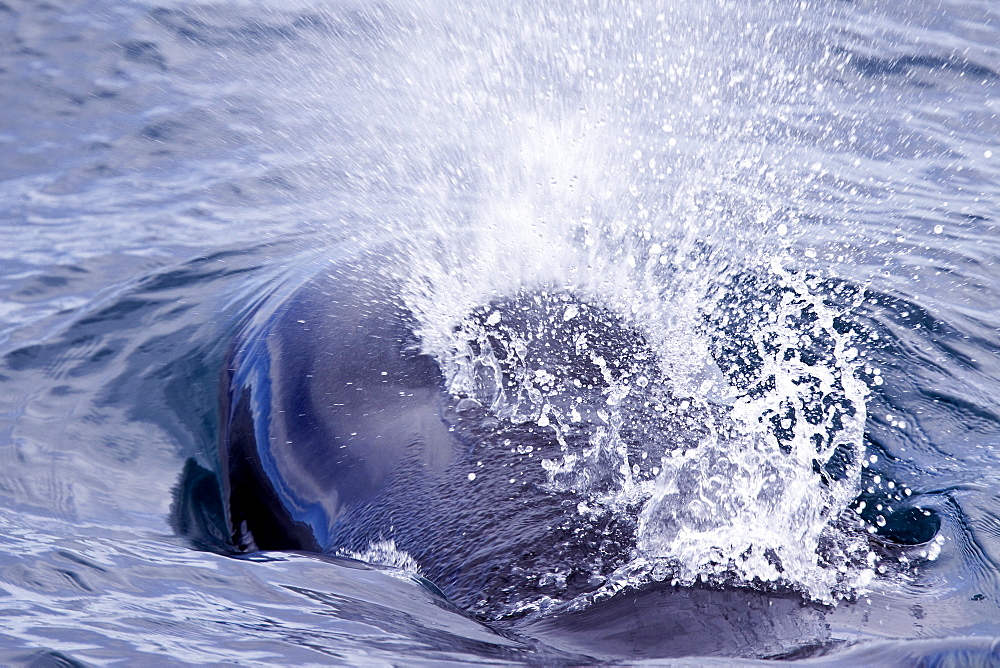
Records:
x=796, y=203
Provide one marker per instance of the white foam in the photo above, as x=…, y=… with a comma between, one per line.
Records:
x=384, y=553
x=638, y=174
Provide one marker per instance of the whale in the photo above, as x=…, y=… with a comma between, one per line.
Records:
x=340, y=435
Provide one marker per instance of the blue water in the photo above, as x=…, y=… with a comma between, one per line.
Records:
x=164, y=166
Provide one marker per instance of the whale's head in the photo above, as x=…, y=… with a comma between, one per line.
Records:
x=539, y=459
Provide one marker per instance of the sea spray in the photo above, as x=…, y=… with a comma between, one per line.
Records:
x=626, y=171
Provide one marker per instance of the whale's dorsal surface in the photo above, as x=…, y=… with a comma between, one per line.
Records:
x=338, y=435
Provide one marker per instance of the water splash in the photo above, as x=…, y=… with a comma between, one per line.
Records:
x=768, y=484
x=621, y=169
x=744, y=477
x=385, y=553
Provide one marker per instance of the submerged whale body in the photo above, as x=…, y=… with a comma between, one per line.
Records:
x=340, y=435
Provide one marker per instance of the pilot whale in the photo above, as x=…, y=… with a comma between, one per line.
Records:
x=340, y=435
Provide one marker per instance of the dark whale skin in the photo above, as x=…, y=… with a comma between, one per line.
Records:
x=336, y=433
x=310, y=426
